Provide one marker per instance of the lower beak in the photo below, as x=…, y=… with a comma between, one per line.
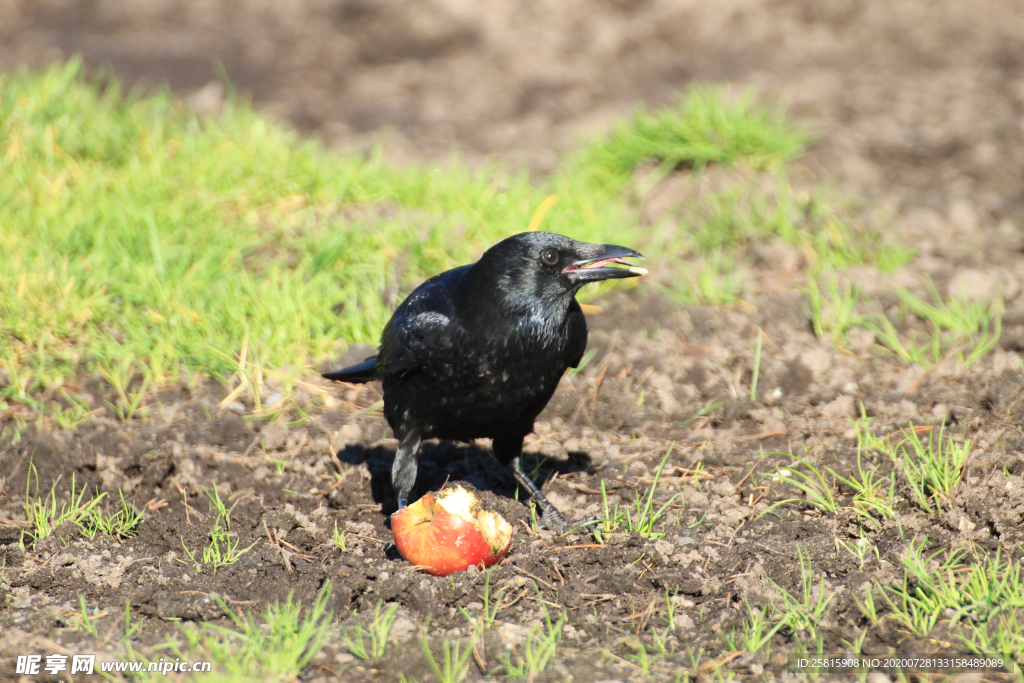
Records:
x=593, y=270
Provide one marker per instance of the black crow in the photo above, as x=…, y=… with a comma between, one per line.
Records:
x=477, y=351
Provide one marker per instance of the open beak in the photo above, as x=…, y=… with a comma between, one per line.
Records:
x=593, y=270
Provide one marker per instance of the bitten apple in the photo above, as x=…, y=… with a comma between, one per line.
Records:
x=450, y=531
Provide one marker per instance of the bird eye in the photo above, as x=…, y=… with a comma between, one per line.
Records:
x=549, y=257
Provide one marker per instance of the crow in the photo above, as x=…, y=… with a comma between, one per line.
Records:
x=477, y=351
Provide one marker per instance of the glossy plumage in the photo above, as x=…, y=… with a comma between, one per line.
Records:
x=478, y=351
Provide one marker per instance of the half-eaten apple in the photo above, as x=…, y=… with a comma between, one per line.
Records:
x=450, y=532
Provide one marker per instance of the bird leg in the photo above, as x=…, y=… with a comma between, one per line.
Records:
x=553, y=519
x=508, y=451
x=403, y=472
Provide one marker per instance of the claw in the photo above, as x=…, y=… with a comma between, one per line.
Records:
x=554, y=520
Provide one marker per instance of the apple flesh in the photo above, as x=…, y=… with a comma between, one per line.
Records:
x=450, y=532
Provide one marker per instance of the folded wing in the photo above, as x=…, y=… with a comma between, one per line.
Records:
x=418, y=329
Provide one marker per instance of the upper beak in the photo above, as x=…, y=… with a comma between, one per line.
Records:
x=591, y=270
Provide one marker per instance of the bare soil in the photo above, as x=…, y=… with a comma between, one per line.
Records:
x=919, y=109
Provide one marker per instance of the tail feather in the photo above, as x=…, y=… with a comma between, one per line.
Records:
x=359, y=373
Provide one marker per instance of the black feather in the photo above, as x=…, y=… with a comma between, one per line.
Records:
x=478, y=351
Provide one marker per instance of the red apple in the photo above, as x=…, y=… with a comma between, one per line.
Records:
x=450, y=532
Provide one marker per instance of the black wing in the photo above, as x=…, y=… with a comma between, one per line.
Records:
x=418, y=329
x=421, y=326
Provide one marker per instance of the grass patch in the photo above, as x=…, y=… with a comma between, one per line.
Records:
x=224, y=547
x=835, y=312
x=967, y=329
x=804, y=612
x=954, y=327
x=454, y=660
x=976, y=589
x=756, y=631
x=150, y=244
x=534, y=656
x=933, y=466
x=816, y=487
x=370, y=642
x=639, y=517
x=44, y=514
x=275, y=647
x=706, y=126
x=711, y=278
x=121, y=521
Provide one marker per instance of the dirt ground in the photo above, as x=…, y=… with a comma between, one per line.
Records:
x=919, y=109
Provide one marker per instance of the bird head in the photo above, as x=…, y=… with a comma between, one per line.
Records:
x=547, y=268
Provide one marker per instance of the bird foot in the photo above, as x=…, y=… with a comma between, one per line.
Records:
x=554, y=520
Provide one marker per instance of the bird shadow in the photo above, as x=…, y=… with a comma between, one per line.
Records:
x=440, y=462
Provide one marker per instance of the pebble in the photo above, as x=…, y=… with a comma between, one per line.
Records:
x=683, y=622
x=22, y=603
x=274, y=437
x=839, y=408
x=401, y=630
x=818, y=360
x=975, y=285
x=350, y=433
x=685, y=540
x=237, y=407
x=663, y=547
x=513, y=635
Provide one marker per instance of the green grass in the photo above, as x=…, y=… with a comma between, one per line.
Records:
x=454, y=660
x=955, y=328
x=956, y=586
x=835, y=312
x=873, y=495
x=224, y=547
x=816, y=487
x=756, y=631
x=958, y=328
x=122, y=521
x=83, y=622
x=803, y=612
x=642, y=516
x=371, y=641
x=711, y=278
x=933, y=466
x=44, y=514
x=491, y=605
x=707, y=126
x=274, y=647
x=150, y=244
x=339, y=538
x=540, y=645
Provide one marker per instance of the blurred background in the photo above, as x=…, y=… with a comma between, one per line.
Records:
x=918, y=104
